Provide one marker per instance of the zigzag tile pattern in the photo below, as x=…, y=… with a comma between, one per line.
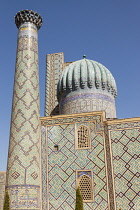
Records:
x=24, y=158
x=125, y=150
x=62, y=165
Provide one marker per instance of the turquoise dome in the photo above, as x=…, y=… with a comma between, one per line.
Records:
x=83, y=74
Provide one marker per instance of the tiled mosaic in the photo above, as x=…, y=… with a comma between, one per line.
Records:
x=125, y=151
x=110, y=177
x=87, y=102
x=2, y=188
x=44, y=159
x=112, y=158
x=53, y=72
x=23, y=172
x=24, y=197
x=75, y=119
x=62, y=164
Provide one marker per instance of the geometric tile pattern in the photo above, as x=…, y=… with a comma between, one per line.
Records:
x=15, y=175
x=62, y=164
x=110, y=177
x=34, y=175
x=44, y=160
x=24, y=156
x=2, y=188
x=54, y=68
x=75, y=119
x=125, y=125
x=125, y=152
x=87, y=102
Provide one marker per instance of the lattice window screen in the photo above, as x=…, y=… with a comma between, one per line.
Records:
x=83, y=137
x=85, y=184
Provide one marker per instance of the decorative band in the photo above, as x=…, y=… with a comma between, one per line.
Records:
x=87, y=95
x=23, y=186
x=28, y=30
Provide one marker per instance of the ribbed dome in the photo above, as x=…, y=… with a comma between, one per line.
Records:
x=83, y=74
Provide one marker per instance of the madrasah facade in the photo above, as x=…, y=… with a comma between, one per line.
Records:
x=79, y=141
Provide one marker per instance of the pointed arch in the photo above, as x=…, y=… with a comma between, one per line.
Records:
x=85, y=183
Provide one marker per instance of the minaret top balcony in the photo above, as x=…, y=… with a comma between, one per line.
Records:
x=25, y=16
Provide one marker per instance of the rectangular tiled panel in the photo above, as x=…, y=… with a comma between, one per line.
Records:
x=62, y=164
x=125, y=151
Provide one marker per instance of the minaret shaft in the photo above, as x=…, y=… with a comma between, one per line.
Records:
x=23, y=171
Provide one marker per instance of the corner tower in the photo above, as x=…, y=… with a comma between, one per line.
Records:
x=23, y=170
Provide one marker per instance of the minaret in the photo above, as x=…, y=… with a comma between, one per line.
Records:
x=23, y=170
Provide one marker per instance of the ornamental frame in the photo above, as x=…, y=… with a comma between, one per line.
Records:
x=83, y=133
x=92, y=183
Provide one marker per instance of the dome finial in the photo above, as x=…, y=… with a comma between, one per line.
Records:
x=84, y=56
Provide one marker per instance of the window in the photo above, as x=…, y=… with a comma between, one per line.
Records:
x=85, y=183
x=56, y=148
x=83, y=137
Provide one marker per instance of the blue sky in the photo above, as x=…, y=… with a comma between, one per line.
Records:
x=106, y=31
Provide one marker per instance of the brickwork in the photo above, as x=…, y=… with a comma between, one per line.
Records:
x=44, y=160
x=125, y=139
x=109, y=167
x=62, y=164
x=66, y=64
x=23, y=172
x=54, y=70
x=81, y=147
x=2, y=188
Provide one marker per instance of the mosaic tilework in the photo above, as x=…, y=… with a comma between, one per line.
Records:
x=44, y=160
x=53, y=72
x=62, y=164
x=24, y=197
x=87, y=102
x=109, y=170
x=2, y=188
x=84, y=118
x=23, y=170
x=125, y=125
x=125, y=151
